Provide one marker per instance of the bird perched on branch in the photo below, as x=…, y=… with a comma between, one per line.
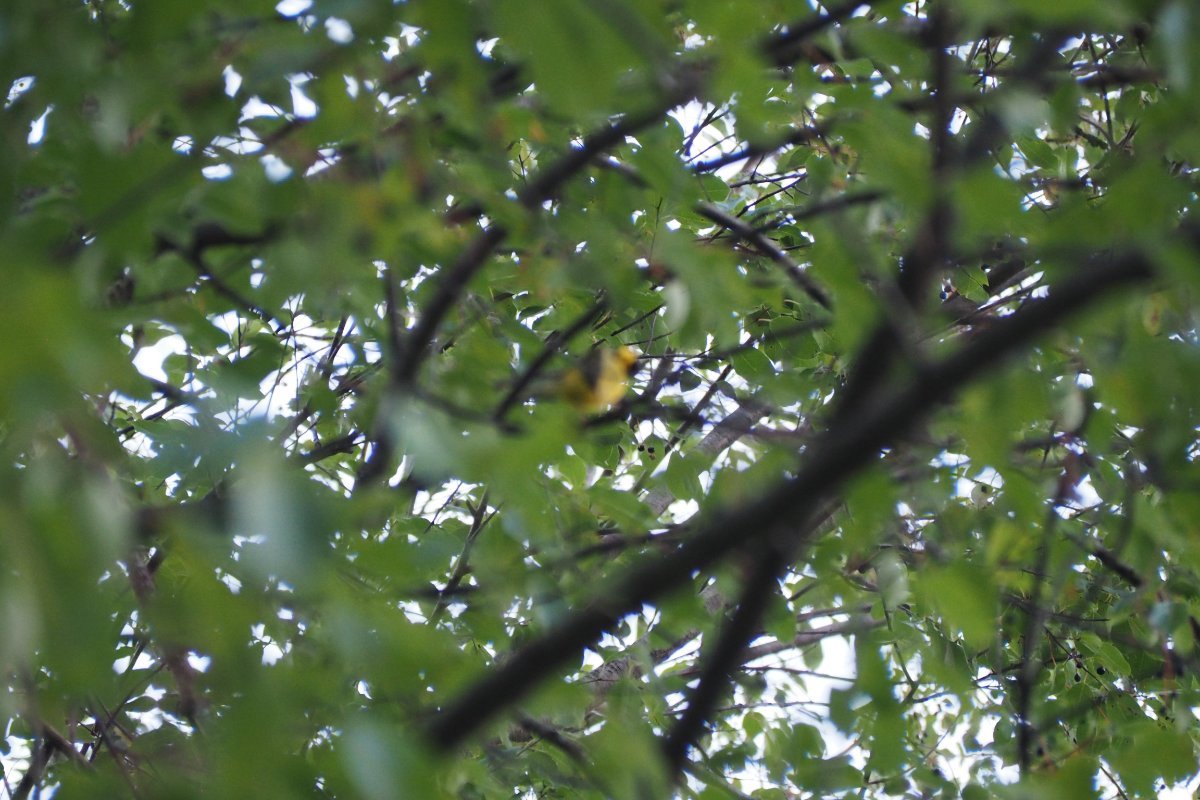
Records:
x=600, y=379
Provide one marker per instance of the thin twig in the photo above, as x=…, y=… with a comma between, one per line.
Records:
x=833, y=458
x=768, y=248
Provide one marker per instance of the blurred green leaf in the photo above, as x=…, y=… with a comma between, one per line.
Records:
x=272, y=269
x=967, y=599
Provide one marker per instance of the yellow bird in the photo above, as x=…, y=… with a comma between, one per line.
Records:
x=600, y=379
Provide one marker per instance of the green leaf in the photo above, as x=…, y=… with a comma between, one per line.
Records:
x=1152, y=752
x=967, y=599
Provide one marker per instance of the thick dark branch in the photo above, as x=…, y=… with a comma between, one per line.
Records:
x=833, y=459
x=209, y=235
x=1031, y=664
x=451, y=283
x=543, y=187
x=768, y=248
x=679, y=88
x=1118, y=567
x=553, y=736
x=554, y=343
x=794, y=137
x=376, y=459
x=777, y=550
x=547, y=182
x=785, y=48
x=759, y=587
x=791, y=216
x=333, y=447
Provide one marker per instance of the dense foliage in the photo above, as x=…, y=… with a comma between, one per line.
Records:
x=902, y=499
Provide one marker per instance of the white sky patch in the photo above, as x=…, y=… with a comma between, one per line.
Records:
x=233, y=81
x=272, y=651
x=198, y=662
x=233, y=584
x=18, y=749
x=255, y=108
x=144, y=661
x=292, y=8
x=339, y=30
x=988, y=477
x=328, y=156
x=37, y=128
x=19, y=87
x=228, y=322
x=232, y=144
x=149, y=360
x=302, y=105
x=217, y=172
x=247, y=142
x=409, y=34
x=275, y=168
x=714, y=140
x=1086, y=497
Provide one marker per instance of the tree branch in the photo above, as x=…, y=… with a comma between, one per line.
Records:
x=554, y=343
x=768, y=248
x=832, y=460
x=757, y=590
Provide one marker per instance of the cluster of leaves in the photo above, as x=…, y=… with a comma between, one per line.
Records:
x=291, y=505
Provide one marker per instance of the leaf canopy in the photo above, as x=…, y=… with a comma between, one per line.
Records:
x=901, y=498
